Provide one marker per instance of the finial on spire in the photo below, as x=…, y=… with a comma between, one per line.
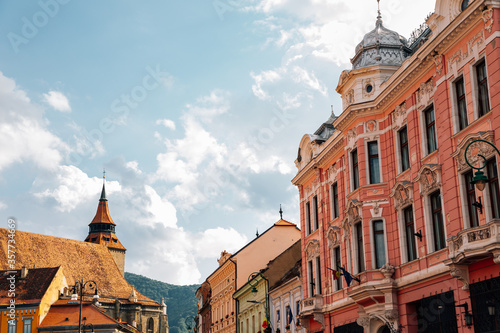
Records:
x=103, y=173
x=257, y=233
x=103, y=193
x=281, y=213
x=378, y=10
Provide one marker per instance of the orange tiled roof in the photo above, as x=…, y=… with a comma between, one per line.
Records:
x=285, y=223
x=28, y=290
x=108, y=239
x=102, y=215
x=67, y=315
x=80, y=260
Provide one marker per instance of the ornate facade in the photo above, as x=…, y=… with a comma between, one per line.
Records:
x=386, y=193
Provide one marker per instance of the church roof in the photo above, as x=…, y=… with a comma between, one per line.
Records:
x=30, y=289
x=102, y=215
x=79, y=260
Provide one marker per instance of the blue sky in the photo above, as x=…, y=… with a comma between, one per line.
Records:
x=194, y=108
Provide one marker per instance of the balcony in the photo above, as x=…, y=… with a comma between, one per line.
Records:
x=312, y=304
x=474, y=244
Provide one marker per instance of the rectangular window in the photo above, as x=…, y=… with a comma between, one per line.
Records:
x=359, y=247
x=494, y=192
x=278, y=317
x=315, y=207
x=318, y=275
x=461, y=103
x=297, y=309
x=437, y=221
x=378, y=237
x=430, y=129
x=311, y=278
x=373, y=162
x=471, y=198
x=404, y=152
x=12, y=328
x=335, y=200
x=27, y=326
x=355, y=169
x=337, y=263
x=482, y=87
x=307, y=214
x=411, y=248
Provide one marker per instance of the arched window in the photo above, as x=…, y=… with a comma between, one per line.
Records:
x=465, y=3
x=151, y=325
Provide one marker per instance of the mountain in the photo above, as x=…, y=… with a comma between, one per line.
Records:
x=181, y=301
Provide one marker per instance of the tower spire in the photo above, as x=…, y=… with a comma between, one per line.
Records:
x=379, y=16
x=103, y=192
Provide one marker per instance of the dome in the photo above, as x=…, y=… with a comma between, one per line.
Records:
x=381, y=46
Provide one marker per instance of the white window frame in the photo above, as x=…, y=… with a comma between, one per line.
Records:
x=399, y=161
x=351, y=167
x=423, y=130
x=455, y=119
x=355, y=264
x=367, y=161
x=428, y=220
x=474, y=84
x=334, y=264
x=372, y=243
x=402, y=233
x=332, y=201
x=307, y=217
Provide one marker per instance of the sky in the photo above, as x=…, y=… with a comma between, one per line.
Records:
x=195, y=109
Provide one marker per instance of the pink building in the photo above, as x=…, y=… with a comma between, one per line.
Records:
x=385, y=188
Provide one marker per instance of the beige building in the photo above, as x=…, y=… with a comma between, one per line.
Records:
x=234, y=271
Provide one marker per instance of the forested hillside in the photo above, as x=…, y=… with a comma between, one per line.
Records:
x=180, y=300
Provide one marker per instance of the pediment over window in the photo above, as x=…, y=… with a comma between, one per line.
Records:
x=402, y=193
x=333, y=236
x=476, y=149
x=429, y=178
x=353, y=210
x=312, y=249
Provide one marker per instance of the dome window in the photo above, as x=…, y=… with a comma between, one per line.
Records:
x=465, y=3
x=369, y=88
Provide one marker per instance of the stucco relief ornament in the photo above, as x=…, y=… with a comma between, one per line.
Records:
x=402, y=194
x=391, y=315
x=428, y=178
x=346, y=225
x=333, y=236
x=461, y=273
x=476, y=149
x=425, y=93
x=399, y=111
x=371, y=125
x=438, y=61
x=312, y=249
x=488, y=19
x=350, y=97
x=455, y=58
x=496, y=257
x=478, y=39
x=332, y=172
x=388, y=271
x=364, y=321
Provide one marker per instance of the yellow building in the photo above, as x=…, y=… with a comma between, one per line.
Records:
x=26, y=297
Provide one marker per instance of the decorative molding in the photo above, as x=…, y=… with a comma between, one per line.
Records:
x=388, y=271
x=371, y=126
x=476, y=149
x=478, y=40
x=333, y=236
x=438, y=61
x=332, y=173
x=496, y=256
x=364, y=84
x=312, y=249
x=399, y=115
x=353, y=210
x=461, y=273
x=425, y=94
x=402, y=193
x=457, y=57
x=488, y=19
x=429, y=178
x=346, y=225
x=364, y=321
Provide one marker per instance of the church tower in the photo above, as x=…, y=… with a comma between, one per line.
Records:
x=102, y=231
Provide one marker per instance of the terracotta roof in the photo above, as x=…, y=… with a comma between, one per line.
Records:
x=102, y=214
x=108, y=239
x=285, y=223
x=80, y=260
x=28, y=290
x=59, y=313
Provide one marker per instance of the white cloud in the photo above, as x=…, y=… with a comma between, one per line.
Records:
x=167, y=123
x=211, y=242
x=70, y=187
x=23, y=130
x=58, y=101
x=3, y=205
x=159, y=210
x=134, y=166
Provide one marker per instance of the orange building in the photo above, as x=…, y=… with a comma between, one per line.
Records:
x=385, y=188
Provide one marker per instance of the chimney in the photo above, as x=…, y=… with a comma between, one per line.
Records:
x=24, y=272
